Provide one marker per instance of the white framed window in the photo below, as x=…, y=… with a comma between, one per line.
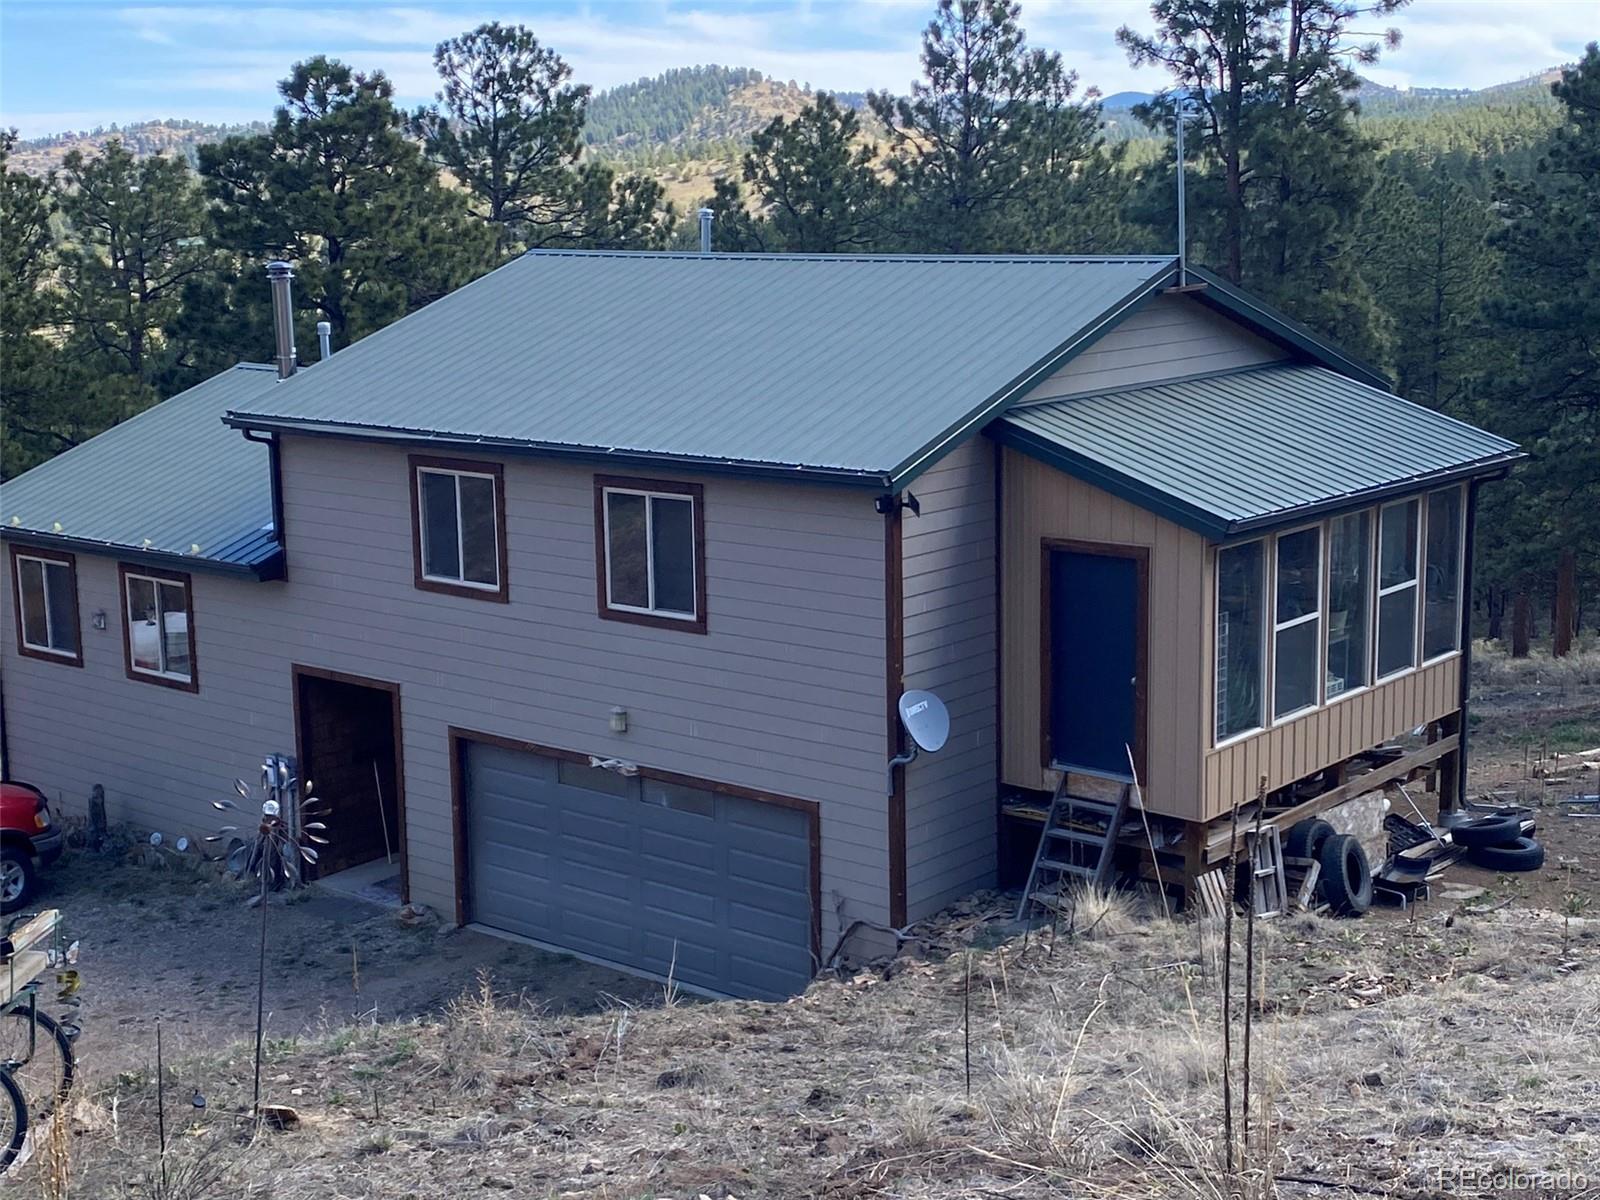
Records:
x=1349, y=638
x=651, y=562
x=1441, y=573
x=459, y=527
x=1240, y=653
x=1297, y=621
x=158, y=626
x=46, y=583
x=1398, y=545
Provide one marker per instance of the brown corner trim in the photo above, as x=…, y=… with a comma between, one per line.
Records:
x=417, y=462
x=71, y=563
x=1141, y=559
x=894, y=657
x=297, y=672
x=696, y=492
x=123, y=571
x=459, y=739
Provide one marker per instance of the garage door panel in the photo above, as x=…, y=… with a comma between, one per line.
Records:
x=683, y=904
x=673, y=852
x=626, y=869
x=758, y=871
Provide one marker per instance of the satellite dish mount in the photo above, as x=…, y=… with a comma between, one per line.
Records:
x=927, y=721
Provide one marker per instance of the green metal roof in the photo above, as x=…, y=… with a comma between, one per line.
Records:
x=847, y=367
x=1226, y=454
x=173, y=482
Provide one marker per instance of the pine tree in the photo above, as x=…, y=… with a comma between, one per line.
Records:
x=509, y=126
x=1284, y=167
x=815, y=182
x=34, y=423
x=991, y=130
x=138, y=237
x=1545, y=391
x=337, y=188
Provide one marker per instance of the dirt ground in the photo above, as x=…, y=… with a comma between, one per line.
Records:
x=1448, y=1051
x=180, y=944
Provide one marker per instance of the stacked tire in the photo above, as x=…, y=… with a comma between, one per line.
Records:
x=1495, y=841
x=1345, y=877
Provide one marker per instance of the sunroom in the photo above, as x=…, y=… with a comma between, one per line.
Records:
x=1235, y=582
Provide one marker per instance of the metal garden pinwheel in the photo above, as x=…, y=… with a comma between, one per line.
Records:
x=276, y=854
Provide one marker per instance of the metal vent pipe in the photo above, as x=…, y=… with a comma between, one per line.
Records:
x=705, y=230
x=324, y=340
x=279, y=275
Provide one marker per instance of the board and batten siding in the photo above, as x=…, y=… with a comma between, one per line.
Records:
x=783, y=694
x=950, y=606
x=1171, y=337
x=1040, y=504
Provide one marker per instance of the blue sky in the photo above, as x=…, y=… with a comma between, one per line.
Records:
x=73, y=64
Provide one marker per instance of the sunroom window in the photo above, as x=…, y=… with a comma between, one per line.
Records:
x=1241, y=638
x=1349, y=602
x=1397, y=587
x=1441, y=585
x=1297, y=617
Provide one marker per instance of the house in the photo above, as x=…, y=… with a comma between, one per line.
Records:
x=587, y=592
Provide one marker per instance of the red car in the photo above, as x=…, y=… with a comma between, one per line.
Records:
x=29, y=839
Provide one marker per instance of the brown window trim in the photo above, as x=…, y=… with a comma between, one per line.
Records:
x=697, y=494
x=418, y=462
x=183, y=577
x=71, y=561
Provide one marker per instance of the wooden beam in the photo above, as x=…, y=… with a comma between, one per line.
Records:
x=1217, y=843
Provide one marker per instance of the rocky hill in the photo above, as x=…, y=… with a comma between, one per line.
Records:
x=690, y=125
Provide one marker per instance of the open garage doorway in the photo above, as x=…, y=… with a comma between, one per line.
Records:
x=348, y=731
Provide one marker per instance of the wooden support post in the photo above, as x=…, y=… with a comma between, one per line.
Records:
x=1449, y=774
x=1194, y=863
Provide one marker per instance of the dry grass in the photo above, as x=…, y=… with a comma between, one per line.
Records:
x=1384, y=1052
x=1493, y=667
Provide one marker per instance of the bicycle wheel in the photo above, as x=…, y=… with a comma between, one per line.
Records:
x=41, y=1063
x=13, y=1121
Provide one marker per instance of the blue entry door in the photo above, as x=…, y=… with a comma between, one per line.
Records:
x=1095, y=686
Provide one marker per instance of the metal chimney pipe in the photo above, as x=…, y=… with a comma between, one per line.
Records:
x=278, y=276
x=705, y=230
x=324, y=340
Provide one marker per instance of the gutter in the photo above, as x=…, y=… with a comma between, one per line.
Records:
x=385, y=435
x=269, y=568
x=1496, y=467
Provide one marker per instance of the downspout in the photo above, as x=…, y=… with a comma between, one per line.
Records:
x=894, y=684
x=1466, y=640
x=275, y=473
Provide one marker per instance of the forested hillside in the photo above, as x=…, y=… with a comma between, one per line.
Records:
x=1447, y=237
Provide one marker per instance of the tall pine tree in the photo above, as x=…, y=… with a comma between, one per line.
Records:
x=1283, y=168
x=991, y=132
x=509, y=125
x=1546, y=390
x=338, y=189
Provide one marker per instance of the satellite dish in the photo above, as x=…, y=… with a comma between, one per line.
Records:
x=926, y=719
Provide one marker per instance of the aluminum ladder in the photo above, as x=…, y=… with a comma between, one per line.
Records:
x=1079, y=841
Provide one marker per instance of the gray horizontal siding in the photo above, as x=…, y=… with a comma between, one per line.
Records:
x=1169, y=338
x=948, y=566
x=784, y=694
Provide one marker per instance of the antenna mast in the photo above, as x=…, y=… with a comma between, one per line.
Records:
x=1181, y=110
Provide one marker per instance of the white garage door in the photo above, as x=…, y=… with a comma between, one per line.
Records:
x=648, y=875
